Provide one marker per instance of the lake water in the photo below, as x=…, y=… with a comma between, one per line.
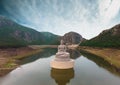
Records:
x=88, y=70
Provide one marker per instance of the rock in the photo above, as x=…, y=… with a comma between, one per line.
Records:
x=72, y=38
x=116, y=30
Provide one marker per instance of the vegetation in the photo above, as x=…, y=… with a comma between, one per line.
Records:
x=108, y=38
x=15, y=35
x=10, y=64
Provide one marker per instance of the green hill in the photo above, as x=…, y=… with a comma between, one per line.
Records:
x=15, y=35
x=108, y=38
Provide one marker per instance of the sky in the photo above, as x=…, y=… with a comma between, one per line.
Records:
x=86, y=17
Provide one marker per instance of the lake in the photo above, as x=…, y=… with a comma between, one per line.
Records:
x=88, y=70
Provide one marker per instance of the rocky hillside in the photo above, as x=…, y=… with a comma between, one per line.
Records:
x=72, y=38
x=15, y=35
x=108, y=38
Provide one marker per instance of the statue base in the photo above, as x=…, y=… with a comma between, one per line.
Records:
x=62, y=64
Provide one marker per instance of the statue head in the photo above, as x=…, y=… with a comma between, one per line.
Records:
x=62, y=42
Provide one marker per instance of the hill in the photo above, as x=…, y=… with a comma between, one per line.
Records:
x=72, y=38
x=107, y=38
x=15, y=35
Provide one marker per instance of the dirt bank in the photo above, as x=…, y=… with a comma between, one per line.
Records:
x=112, y=55
x=10, y=57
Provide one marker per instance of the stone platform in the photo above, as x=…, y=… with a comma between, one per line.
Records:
x=62, y=64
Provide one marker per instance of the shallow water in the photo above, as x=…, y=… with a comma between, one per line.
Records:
x=88, y=70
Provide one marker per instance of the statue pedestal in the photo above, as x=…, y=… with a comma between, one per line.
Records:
x=62, y=64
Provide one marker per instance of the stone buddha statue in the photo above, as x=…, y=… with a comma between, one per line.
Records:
x=62, y=47
x=62, y=58
x=62, y=55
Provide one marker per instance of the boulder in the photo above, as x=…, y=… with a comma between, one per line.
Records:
x=72, y=38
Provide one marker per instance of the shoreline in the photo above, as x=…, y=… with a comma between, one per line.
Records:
x=10, y=57
x=111, y=55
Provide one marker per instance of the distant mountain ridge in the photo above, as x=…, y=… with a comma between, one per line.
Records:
x=107, y=38
x=15, y=35
x=72, y=38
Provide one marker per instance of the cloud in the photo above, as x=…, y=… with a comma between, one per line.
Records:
x=108, y=9
x=87, y=17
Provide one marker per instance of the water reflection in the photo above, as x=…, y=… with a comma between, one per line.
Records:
x=44, y=54
x=74, y=54
x=62, y=76
x=102, y=63
x=88, y=70
x=49, y=52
